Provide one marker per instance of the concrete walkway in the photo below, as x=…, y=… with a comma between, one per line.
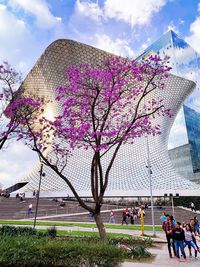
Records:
x=68, y=214
x=162, y=260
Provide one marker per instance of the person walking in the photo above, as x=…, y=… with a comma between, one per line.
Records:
x=189, y=235
x=135, y=215
x=112, y=217
x=132, y=216
x=192, y=206
x=124, y=218
x=178, y=236
x=30, y=207
x=196, y=225
x=168, y=228
x=192, y=224
x=163, y=217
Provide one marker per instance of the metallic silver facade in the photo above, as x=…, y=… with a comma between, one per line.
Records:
x=129, y=175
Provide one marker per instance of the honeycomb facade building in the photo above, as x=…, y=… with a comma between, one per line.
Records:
x=129, y=175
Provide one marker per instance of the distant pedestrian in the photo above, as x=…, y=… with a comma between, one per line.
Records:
x=30, y=208
x=173, y=220
x=132, y=216
x=163, y=217
x=124, y=218
x=112, y=217
x=127, y=212
x=91, y=215
x=37, y=194
x=34, y=193
x=62, y=204
x=135, y=215
x=192, y=206
x=196, y=225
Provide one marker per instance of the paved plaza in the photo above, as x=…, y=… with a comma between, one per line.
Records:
x=162, y=260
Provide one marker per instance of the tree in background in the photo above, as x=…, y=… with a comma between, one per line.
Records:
x=9, y=82
x=104, y=106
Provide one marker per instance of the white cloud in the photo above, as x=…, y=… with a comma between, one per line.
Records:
x=137, y=12
x=118, y=46
x=194, y=38
x=39, y=9
x=133, y=12
x=89, y=9
x=15, y=161
x=13, y=34
x=198, y=8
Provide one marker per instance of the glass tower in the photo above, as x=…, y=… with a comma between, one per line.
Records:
x=185, y=62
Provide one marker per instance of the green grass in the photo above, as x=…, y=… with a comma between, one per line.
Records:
x=87, y=234
x=84, y=225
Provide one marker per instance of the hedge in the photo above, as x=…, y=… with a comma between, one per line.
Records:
x=30, y=251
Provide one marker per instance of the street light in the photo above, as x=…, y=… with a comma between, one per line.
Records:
x=150, y=184
x=172, y=197
x=38, y=194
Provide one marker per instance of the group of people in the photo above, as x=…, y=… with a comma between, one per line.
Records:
x=21, y=196
x=128, y=215
x=181, y=235
x=131, y=214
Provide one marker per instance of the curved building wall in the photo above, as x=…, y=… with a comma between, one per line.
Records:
x=185, y=62
x=129, y=175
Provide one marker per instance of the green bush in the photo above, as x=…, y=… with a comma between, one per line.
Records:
x=51, y=232
x=16, y=231
x=42, y=252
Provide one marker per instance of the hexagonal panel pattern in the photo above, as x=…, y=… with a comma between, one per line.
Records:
x=129, y=175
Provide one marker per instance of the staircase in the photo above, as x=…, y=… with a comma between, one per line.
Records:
x=12, y=208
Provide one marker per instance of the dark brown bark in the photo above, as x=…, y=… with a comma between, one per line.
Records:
x=100, y=226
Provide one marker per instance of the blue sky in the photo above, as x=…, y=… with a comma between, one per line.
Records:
x=124, y=27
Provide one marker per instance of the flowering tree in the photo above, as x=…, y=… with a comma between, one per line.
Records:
x=9, y=79
x=103, y=107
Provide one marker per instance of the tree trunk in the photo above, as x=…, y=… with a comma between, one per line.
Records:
x=100, y=225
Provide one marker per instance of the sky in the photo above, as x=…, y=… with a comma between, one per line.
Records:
x=123, y=27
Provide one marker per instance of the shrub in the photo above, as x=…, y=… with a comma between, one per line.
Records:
x=30, y=251
x=16, y=231
x=51, y=232
x=138, y=253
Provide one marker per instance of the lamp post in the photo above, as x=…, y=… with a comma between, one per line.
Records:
x=171, y=195
x=150, y=184
x=38, y=194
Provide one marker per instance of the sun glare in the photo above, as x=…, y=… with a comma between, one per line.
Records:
x=49, y=113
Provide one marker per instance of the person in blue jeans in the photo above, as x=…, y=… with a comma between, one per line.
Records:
x=189, y=235
x=179, y=237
